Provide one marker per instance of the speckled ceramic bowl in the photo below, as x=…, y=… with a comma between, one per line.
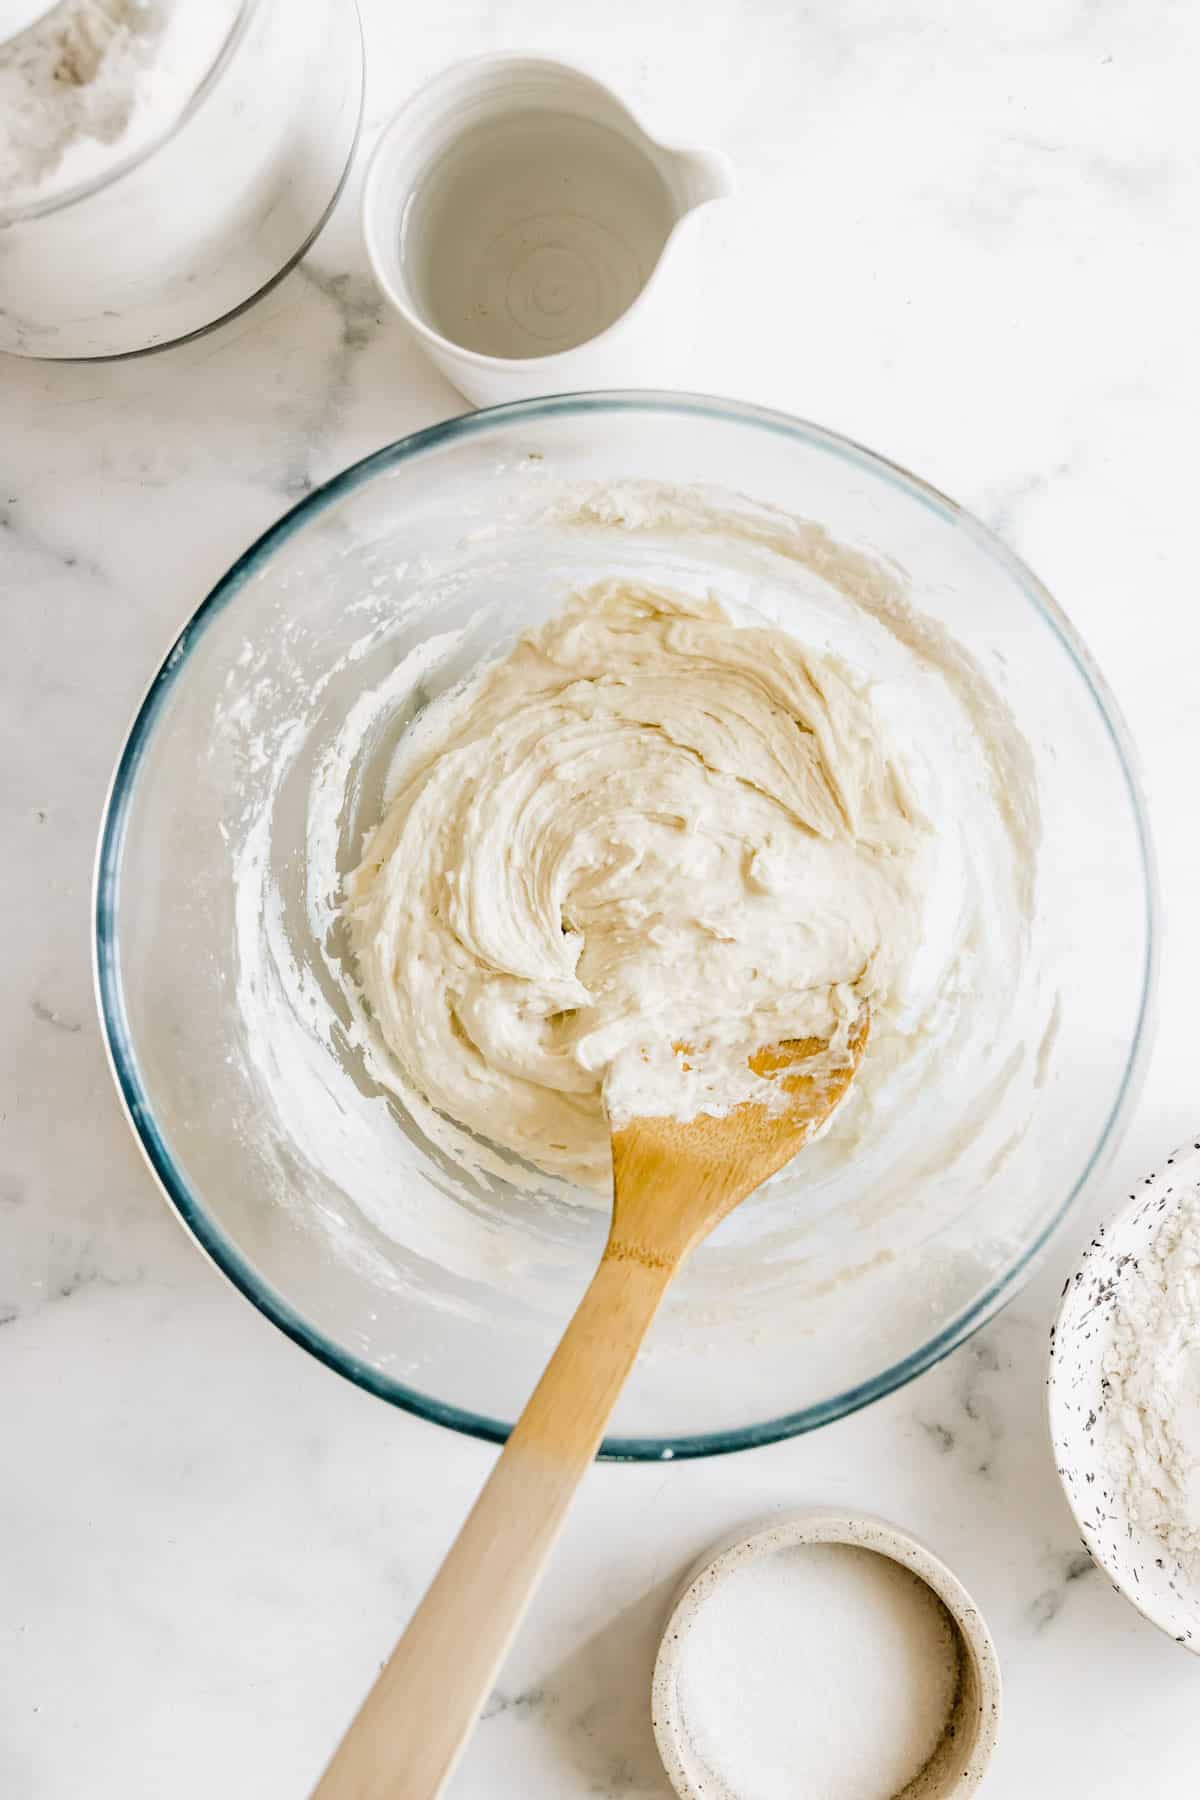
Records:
x=962, y=1757
x=1136, y=1562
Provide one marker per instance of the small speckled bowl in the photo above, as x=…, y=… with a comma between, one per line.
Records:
x=1135, y=1561
x=957, y=1766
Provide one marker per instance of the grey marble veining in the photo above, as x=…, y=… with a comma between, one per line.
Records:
x=967, y=237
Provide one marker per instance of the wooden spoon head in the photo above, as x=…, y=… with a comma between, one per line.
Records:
x=674, y=1180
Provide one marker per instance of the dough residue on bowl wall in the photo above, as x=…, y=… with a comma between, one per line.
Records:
x=943, y=846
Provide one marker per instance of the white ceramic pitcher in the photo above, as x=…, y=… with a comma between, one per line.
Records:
x=536, y=239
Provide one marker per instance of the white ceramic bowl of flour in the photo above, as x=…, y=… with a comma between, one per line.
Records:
x=1124, y=1411
x=827, y=1654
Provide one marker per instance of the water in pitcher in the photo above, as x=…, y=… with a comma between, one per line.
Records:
x=533, y=233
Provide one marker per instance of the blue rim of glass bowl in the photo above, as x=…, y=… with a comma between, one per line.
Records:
x=110, y=997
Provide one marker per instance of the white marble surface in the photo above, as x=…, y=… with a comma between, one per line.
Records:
x=967, y=237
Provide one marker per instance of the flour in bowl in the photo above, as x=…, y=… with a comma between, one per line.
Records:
x=93, y=82
x=1152, y=1381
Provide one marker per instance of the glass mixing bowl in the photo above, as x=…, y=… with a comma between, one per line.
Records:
x=340, y=1212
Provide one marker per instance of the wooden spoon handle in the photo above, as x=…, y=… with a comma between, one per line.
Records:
x=407, y=1736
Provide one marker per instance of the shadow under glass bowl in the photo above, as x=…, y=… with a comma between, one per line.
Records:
x=338, y=1212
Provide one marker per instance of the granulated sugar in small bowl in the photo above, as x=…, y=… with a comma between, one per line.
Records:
x=1124, y=1395
x=828, y=1655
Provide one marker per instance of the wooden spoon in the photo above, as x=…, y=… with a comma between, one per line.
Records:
x=672, y=1183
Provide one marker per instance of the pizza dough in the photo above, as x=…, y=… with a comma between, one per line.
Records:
x=648, y=825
